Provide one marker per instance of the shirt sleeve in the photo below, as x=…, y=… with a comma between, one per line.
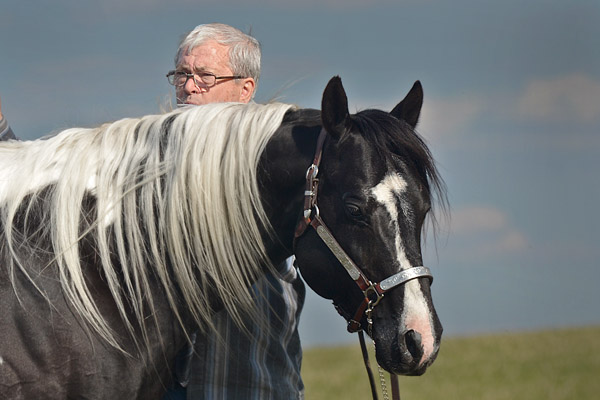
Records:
x=5, y=132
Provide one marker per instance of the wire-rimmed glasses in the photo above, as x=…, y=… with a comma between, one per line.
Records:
x=205, y=79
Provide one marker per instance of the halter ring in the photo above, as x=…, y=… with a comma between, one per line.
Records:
x=372, y=288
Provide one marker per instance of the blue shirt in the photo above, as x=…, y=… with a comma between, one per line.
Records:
x=5, y=132
x=264, y=365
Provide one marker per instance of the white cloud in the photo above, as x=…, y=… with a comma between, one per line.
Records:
x=477, y=219
x=480, y=232
x=446, y=119
x=568, y=98
x=511, y=241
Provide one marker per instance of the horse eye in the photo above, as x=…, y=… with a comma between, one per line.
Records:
x=354, y=210
x=353, y=207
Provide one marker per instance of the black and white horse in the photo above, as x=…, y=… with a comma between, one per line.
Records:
x=117, y=241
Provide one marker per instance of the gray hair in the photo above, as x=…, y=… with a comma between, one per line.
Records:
x=244, y=50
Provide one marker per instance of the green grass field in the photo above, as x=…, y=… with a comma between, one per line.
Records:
x=547, y=365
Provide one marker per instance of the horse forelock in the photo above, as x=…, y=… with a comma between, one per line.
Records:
x=395, y=138
x=179, y=194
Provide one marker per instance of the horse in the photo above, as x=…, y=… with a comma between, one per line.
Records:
x=117, y=242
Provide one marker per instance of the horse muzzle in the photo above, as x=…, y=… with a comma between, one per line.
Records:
x=411, y=350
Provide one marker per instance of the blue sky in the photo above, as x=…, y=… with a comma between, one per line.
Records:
x=512, y=113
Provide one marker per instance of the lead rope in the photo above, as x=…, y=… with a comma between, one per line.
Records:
x=365, y=352
x=394, y=382
x=395, y=387
x=382, y=381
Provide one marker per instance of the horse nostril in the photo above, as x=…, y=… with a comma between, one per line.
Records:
x=413, y=343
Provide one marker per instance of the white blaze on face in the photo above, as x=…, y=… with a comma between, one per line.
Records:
x=417, y=316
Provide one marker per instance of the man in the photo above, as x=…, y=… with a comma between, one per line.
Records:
x=226, y=63
x=218, y=63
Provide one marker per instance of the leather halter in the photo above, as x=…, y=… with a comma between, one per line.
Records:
x=373, y=292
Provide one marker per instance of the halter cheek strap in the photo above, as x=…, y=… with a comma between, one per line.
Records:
x=312, y=186
x=373, y=292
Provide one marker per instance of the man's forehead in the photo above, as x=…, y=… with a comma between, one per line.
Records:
x=206, y=57
x=199, y=67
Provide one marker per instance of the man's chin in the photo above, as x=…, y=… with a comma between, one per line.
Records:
x=189, y=101
x=195, y=103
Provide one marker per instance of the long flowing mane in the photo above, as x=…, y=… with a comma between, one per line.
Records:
x=175, y=201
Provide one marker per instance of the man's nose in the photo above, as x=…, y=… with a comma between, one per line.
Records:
x=190, y=86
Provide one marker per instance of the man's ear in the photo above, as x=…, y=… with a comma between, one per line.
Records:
x=247, y=90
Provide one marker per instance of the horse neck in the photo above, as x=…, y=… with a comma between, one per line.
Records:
x=283, y=175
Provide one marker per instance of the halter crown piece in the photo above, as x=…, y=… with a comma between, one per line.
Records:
x=373, y=292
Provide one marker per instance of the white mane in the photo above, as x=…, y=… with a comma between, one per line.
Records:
x=178, y=192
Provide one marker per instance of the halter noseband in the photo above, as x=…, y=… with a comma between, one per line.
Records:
x=373, y=292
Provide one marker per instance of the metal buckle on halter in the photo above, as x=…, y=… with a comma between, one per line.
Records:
x=308, y=214
x=373, y=289
x=312, y=171
x=311, y=193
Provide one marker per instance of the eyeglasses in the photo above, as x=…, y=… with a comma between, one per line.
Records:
x=180, y=78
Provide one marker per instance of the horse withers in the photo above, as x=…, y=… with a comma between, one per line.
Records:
x=116, y=242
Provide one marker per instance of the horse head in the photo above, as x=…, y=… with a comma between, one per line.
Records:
x=376, y=179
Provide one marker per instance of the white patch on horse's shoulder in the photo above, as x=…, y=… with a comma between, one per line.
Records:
x=1, y=360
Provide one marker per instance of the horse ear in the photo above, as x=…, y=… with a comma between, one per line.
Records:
x=409, y=109
x=334, y=108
